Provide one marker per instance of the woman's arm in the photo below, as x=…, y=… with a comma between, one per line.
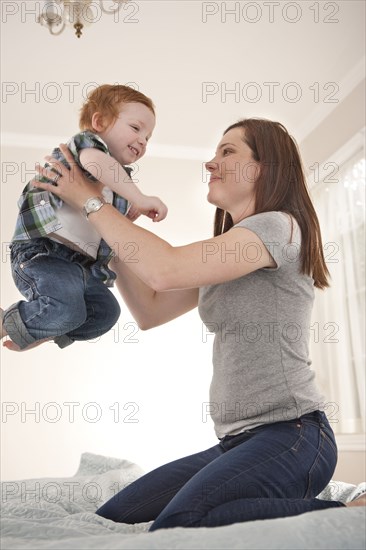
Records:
x=159, y=265
x=148, y=307
x=164, y=267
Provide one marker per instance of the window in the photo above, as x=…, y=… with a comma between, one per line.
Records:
x=337, y=345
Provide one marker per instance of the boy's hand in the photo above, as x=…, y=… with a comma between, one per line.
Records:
x=152, y=207
x=133, y=213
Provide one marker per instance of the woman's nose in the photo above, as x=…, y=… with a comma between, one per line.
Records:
x=211, y=165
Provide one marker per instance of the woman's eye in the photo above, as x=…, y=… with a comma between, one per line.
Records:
x=226, y=151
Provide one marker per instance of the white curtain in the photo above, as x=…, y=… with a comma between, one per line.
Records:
x=338, y=325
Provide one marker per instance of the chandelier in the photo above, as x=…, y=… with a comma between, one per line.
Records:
x=57, y=14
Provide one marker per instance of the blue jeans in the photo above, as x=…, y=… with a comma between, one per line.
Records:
x=274, y=470
x=65, y=301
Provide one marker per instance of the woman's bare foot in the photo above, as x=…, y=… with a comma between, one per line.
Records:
x=359, y=501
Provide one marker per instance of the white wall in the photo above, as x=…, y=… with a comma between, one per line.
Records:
x=166, y=371
x=132, y=394
x=149, y=387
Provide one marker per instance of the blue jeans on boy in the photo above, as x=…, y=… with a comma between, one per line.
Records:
x=274, y=470
x=65, y=302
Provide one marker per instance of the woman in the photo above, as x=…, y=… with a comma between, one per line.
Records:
x=254, y=285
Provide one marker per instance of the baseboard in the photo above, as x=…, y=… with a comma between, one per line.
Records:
x=351, y=442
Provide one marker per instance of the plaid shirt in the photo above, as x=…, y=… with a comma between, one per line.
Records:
x=38, y=209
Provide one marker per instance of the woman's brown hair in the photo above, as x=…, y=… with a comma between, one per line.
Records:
x=281, y=186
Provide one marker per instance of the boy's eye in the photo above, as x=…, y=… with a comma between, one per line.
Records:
x=135, y=128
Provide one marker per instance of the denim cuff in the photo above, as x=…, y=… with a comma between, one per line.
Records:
x=16, y=329
x=63, y=341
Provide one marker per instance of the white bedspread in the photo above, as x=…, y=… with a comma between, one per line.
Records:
x=58, y=513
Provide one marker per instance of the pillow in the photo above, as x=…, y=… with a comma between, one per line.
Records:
x=97, y=479
x=342, y=491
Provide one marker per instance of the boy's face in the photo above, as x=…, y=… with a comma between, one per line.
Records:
x=127, y=137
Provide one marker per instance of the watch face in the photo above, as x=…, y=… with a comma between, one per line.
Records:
x=92, y=204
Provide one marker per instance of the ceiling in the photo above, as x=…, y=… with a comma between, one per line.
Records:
x=204, y=67
x=204, y=64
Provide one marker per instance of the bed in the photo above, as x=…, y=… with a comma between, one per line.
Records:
x=58, y=513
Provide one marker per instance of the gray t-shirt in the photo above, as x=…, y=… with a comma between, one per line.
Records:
x=261, y=321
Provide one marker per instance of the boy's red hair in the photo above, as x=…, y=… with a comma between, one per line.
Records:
x=107, y=100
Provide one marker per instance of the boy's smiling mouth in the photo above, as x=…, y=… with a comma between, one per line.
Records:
x=134, y=150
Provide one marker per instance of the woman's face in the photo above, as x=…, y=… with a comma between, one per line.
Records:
x=233, y=176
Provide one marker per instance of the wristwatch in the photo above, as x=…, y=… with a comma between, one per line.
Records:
x=93, y=205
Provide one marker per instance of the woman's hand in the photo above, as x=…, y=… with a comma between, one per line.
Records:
x=71, y=185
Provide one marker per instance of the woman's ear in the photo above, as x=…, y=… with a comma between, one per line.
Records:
x=97, y=122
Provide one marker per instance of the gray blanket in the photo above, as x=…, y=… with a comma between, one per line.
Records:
x=58, y=513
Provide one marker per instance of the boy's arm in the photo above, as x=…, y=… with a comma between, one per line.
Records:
x=107, y=170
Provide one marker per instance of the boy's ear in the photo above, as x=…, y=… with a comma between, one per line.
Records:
x=97, y=122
